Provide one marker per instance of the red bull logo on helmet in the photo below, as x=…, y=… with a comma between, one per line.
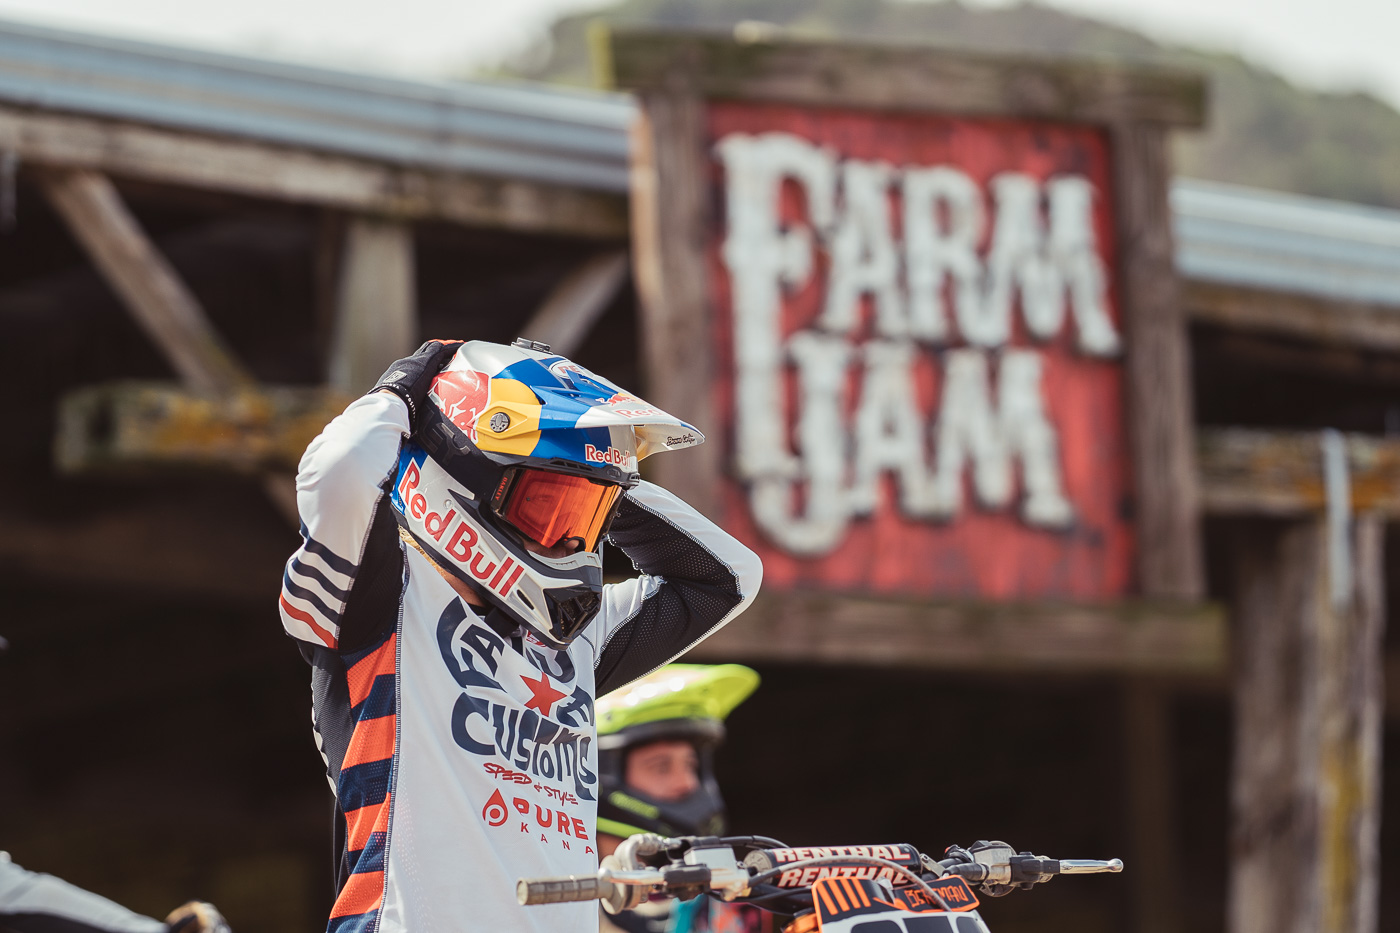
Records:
x=611, y=456
x=462, y=395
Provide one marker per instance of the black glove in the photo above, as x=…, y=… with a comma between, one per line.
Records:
x=410, y=377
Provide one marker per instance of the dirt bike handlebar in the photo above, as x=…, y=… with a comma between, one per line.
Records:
x=693, y=865
x=561, y=890
x=1027, y=869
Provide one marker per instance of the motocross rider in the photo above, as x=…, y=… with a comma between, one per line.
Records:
x=448, y=595
x=656, y=739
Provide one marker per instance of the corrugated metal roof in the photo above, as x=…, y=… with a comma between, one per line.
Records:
x=1225, y=233
x=1286, y=242
x=569, y=137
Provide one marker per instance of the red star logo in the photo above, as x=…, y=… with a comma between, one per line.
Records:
x=543, y=695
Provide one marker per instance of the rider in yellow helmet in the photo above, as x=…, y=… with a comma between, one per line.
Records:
x=656, y=741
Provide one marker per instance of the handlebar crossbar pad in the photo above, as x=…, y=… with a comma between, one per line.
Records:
x=558, y=890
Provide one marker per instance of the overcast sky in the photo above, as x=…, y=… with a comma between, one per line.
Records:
x=1339, y=44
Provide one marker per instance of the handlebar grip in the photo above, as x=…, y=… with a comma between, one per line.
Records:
x=971, y=872
x=563, y=890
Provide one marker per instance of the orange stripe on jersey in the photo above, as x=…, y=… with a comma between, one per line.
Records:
x=306, y=617
x=362, y=893
x=372, y=740
x=361, y=823
x=360, y=676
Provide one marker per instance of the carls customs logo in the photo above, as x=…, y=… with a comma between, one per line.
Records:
x=529, y=725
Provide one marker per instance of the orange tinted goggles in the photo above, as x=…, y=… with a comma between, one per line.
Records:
x=553, y=507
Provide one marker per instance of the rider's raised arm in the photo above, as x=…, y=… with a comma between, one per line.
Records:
x=695, y=578
x=349, y=536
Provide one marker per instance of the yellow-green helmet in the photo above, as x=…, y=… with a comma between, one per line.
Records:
x=679, y=701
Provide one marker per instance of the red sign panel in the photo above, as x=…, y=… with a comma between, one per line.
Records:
x=921, y=351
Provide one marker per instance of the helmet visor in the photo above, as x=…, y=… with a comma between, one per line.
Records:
x=552, y=507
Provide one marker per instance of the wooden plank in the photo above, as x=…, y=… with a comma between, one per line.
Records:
x=670, y=217
x=1306, y=773
x=1356, y=364
x=901, y=77
x=1354, y=732
x=803, y=627
x=226, y=546
x=376, y=318
x=133, y=425
x=576, y=303
x=1170, y=563
x=148, y=286
x=281, y=173
x=1250, y=472
x=1327, y=321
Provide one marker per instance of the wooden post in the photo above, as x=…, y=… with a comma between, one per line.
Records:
x=143, y=279
x=1308, y=708
x=1168, y=532
x=1159, y=387
x=669, y=227
x=376, y=320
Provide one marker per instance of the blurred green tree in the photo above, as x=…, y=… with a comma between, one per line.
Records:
x=1262, y=130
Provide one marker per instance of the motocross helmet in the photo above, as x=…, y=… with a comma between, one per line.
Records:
x=679, y=701
x=517, y=445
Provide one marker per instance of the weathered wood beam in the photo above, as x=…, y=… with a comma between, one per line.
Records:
x=140, y=424
x=902, y=77
x=1357, y=364
x=1158, y=371
x=284, y=173
x=1251, y=472
x=148, y=286
x=1327, y=321
x=376, y=318
x=182, y=541
x=574, y=306
x=1165, y=637
x=1308, y=713
x=670, y=219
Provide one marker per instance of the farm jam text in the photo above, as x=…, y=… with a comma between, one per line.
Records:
x=941, y=291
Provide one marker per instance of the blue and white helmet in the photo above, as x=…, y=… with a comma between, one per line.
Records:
x=516, y=469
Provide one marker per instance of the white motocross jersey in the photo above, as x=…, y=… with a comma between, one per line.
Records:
x=461, y=751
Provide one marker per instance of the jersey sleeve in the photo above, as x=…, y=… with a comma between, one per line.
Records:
x=347, y=527
x=31, y=902
x=694, y=579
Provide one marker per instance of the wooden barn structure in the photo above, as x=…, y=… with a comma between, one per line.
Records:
x=1139, y=612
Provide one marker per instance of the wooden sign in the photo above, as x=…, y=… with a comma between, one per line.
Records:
x=920, y=353
x=923, y=306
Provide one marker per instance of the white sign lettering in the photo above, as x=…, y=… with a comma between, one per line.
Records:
x=809, y=472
